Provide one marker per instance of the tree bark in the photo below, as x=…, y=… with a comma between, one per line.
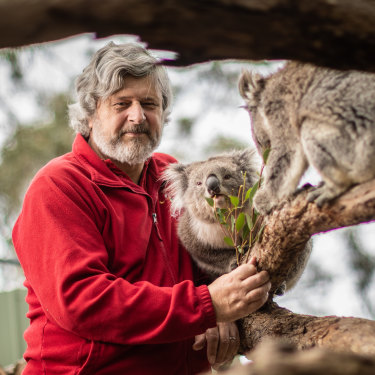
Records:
x=293, y=222
x=286, y=231
x=338, y=334
x=333, y=33
x=277, y=358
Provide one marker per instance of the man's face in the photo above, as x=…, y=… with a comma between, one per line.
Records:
x=127, y=127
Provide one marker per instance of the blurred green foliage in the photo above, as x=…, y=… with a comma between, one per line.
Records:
x=30, y=147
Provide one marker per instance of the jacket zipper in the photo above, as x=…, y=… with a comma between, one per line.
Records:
x=164, y=251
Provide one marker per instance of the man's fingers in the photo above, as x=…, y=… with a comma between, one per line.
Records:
x=212, y=337
x=253, y=261
x=258, y=293
x=233, y=294
x=244, y=271
x=256, y=301
x=200, y=342
x=224, y=343
x=234, y=338
x=256, y=281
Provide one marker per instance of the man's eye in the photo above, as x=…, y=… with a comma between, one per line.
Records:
x=149, y=104
x=120, y=104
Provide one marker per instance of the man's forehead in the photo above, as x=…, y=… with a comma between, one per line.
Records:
x=144, y=86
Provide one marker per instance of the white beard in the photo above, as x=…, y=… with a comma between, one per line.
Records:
x=134, y=151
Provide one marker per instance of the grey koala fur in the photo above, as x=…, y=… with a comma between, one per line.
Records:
x=199, y=231
x=315, y=116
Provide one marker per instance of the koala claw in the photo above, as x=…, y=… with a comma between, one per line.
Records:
x=280, y=291
x=304, y=187
x=321, y=195
x=313, y=195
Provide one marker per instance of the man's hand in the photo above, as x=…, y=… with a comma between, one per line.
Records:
x=222, y=342
x=240, y=292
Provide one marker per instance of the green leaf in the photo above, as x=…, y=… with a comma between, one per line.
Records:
x=210, y=201
x=234, y=200
x=240, y=249
x=240, y=222
x=245, y=231
x=253, y=191
x=249, y=221
x=247, y=196
x=228, y=241
x=221, y=214
x=265, y=155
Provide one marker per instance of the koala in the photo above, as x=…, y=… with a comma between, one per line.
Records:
x=188, y=186
x=198, y=229
x=311, y=116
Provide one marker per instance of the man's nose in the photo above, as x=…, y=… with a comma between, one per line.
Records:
x=136, y=114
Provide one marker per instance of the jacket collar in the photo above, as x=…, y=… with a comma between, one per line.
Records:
x=105, y=172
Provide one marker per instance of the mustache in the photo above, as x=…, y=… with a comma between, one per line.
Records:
x=142, y=128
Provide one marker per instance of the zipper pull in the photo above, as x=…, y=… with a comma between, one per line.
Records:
x=155, y=220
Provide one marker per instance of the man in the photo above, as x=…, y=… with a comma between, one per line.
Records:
x=110, y=288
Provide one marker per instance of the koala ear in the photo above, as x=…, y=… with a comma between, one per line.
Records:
x=249, y=162
x=175, y=175
x=249, y=85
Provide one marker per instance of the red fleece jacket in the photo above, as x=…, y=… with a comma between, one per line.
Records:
x=110, y=288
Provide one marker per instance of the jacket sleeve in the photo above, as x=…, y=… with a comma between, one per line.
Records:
x=64, y=258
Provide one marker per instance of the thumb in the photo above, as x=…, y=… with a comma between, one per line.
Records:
x=253, y=261
x=200, y=342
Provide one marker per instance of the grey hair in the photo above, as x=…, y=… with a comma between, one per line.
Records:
x=105, y=75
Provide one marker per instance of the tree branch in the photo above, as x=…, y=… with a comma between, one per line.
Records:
x=338, y=34
x=293, y=222
x=287, y=229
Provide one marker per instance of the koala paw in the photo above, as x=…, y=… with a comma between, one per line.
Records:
x=323, y=194
x=262, y=202
x=302, y=188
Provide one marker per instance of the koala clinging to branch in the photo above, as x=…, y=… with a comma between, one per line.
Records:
x=312, y=116
x=199, y=230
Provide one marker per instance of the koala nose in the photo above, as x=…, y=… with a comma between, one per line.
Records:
x=213, y=184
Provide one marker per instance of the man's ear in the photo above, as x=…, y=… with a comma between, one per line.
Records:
x=176, y=178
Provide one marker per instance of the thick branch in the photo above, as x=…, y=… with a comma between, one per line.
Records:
x=286, y=232
x=304, y=331
x=294, y=222
x=334, y=33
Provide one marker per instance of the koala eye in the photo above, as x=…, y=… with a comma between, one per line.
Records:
x=199, y=183
x=227, y=177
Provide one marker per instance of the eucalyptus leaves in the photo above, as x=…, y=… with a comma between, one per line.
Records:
x=240, y=222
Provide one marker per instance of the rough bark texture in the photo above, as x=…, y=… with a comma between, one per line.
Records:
x=287, y=229
x=326, y=32
x=292, y=223
x=305, y=332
